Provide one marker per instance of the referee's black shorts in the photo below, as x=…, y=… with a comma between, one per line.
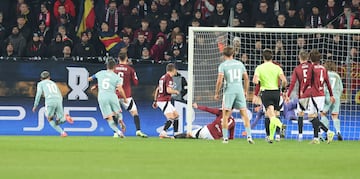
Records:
x=271, y=97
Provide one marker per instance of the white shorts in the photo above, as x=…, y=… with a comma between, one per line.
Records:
x=203, y=134
x=130, y=105
x=166, y=106
x=311, y=105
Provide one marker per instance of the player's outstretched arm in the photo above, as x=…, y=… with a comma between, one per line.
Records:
x=214, y=111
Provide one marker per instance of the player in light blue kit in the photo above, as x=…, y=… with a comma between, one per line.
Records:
x=53, y=103
x=334, y=108
x=233, y=72
x=109, y=105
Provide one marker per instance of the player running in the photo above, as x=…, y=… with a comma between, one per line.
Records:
x=333, y=108
x=213, y=130
x=268, y=74
x=109, y=105
x=128, y=74
x=162, y=99
x=233, y=72
x=53, y=103
x=316, y=76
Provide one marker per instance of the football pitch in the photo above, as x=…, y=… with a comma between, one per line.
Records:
x=38, y=157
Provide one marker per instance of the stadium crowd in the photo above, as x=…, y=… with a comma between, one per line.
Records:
x=150, y=30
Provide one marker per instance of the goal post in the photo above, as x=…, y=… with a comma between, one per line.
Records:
x=205, y=45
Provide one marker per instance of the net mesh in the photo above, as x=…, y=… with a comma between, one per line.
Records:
x=339, y=46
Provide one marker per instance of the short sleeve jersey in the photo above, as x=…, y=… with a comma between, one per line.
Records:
x=233, y=71
x=268, y=74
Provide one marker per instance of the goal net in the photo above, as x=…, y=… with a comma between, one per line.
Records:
x=206, y=45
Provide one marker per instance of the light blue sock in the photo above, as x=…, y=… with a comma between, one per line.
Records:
x=56, y=127
x=225, y=133
x=248, y=131
x=325, y=121
x=113, y=126
x=337, y=125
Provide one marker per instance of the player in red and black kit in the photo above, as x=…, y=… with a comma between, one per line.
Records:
x=299, y=75
x=213, y=130
x=128, y=74
x=314, y=89
x=162, y=99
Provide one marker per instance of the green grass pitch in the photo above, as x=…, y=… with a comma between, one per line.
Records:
x=52, y=157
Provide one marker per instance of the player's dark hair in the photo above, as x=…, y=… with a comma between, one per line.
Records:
x=267, y=54
x=315, y=56
x=110, y=63
x=122, y=56
x=330, y=65
x=228, y=51
x=170, y=67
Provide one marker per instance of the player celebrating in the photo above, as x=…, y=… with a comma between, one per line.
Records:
x=233, y=72
x=109, y=105
x=213, y=130
x=316, y=76
x=128, y=74
x=53, y=103
x=299, y=75
x=162, y=99
x=268, y=74
x=334, y=108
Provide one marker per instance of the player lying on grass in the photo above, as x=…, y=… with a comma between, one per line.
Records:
x=53, y=103
x=213, y=130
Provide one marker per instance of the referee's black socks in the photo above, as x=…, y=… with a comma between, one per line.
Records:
x=267, y=126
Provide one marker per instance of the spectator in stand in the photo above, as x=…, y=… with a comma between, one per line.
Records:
x=126, y=40
x=176, y=30
x=56, y=47
x=133, y=20
x=67, y=53
x=70, y=29
x=84, y=48
x=18, y=42
x=159, y=48
x=330, y=13
x=356, y=24
x=3, y=31
x=95, y=41
x=206, y=7
x=354, y=55
x=281, y=21
x=124, y=8
x=293, y=19
x=162, y=27
x=136, y=48
x=44, y=14
x=112, y=17
x=142, y=9
x=343, y=24
x=145, y=30
x=179, y=45
x=112, y=42
x=354, y=5
x=62, y=12
x=235, y=22
x=153, y=15
x=65, y=38
x=36, y=48
x=220, y=18
x=195, y=23
x=241, y=14
x=127, y=31
x=176, y=55
x=314, y=20
x=145, y=55
x=264, y=14
x=45, y=32
x=68, y=6
x=24, y=27
x=185, y=10
x=199, y=18
x=175, y=20
x=164, y=8
x=9, y=51
x=29, y=16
